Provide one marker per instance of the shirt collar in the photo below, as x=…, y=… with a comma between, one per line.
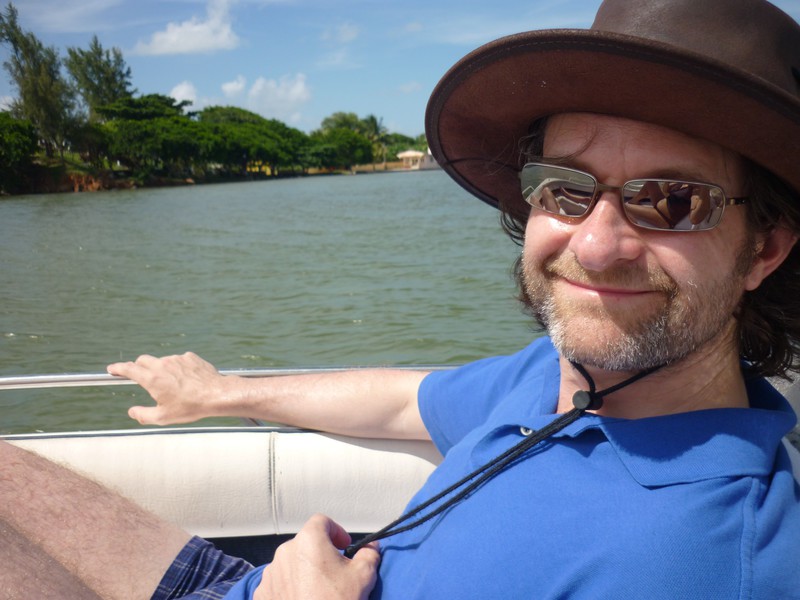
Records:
x=685, y=447
x=700, y=445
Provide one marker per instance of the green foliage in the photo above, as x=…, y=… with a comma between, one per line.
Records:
x=373, y=129
x=344, y=140
x=17, y=147
x=144, y=108
x=294, y=143
x=339, y=149
x=45, y=98
x=240, y=138
x=153, y=134
x=101, y=76
x=237, y=145
x=341, y=120
x=170, y=146
x=229, y=114
x=90, y=141
x=397, y=143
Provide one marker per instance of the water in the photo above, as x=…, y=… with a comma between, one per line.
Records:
x=398, y=268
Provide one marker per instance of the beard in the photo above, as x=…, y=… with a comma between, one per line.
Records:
x=675, y=322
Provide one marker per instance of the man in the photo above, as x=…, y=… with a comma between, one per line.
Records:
x=649, y=166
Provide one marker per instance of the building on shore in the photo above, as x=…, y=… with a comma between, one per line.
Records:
x=414, y=160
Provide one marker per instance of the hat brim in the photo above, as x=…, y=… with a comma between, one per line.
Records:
x=485, y=104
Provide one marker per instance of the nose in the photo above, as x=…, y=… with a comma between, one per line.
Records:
x=605, y=236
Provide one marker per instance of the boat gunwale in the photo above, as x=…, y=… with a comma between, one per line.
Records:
x=65, y=380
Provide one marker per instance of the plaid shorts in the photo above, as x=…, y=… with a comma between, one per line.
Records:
x=201, y=572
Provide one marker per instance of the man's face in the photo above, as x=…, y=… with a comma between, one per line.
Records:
x=619, y=297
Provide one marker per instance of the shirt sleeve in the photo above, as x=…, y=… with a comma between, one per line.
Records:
x=454, y=402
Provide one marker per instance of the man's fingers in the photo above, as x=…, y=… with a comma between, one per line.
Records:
x=369, y=556
x=120, y=368
x=133, y=370
x=311, y=567
x=181, y=387
x=145, y=415
x=335, y=532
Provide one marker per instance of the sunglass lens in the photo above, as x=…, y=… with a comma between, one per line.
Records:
x=557, y=190
x=675, y=205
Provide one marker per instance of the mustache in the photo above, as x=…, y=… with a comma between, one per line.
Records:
x=565, y=266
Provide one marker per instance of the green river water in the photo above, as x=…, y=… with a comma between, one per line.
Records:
x=374, y=269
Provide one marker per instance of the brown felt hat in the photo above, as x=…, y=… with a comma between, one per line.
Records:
x=724, y=70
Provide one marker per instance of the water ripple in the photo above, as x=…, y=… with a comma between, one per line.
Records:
x=374, y=269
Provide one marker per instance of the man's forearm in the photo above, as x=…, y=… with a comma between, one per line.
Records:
x=365, y=403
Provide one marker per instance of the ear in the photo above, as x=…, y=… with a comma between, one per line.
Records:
x=773, y=249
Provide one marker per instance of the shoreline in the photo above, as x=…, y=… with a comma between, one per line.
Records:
x=48, y=181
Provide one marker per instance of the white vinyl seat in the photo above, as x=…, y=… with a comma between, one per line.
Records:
x=249, y=481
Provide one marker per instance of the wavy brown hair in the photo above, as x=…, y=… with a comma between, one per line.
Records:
x=769, y=316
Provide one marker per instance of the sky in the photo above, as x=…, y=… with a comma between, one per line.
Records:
x=297, y=61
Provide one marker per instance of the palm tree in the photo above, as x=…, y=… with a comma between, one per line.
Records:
x=375, y=132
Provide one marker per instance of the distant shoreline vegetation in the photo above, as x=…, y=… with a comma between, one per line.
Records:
x=77, y=125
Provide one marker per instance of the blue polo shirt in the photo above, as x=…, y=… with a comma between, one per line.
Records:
x=694, y=505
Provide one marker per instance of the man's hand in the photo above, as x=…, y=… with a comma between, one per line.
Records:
x=311, y=567
x=182, y=386
x=376, y=403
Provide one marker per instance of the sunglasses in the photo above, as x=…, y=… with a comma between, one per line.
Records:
x=661, y=204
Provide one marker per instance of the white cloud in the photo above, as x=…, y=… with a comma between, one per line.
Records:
x=282, y=98
x=410, y=87
x=69, y=17
x=337, y=59
x=233, y=89
x=342, y=34
x=194, y=36
x=338, y=39
x=185, y=90
x=6, y=102
x=346, y=33
x=279, y=99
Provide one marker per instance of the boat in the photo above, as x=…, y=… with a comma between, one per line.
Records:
x=270, y=478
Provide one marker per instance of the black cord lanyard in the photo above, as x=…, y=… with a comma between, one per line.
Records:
x=582, y=401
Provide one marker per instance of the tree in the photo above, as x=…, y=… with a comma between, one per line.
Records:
x=397, y=142
x=90, y=141
x=340, y=148
x=238, y=137
x=153, y=133
x=243, y=137
x=45, y=98
x=291, y=142
x=101, y=76
x=144, y=108
x=229, y=114
x=17, y=147
x=341, y=120
x=370, y=128
x=373, y=129
x=182, y=145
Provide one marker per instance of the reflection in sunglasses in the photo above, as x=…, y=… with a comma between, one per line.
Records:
x=649, y=203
